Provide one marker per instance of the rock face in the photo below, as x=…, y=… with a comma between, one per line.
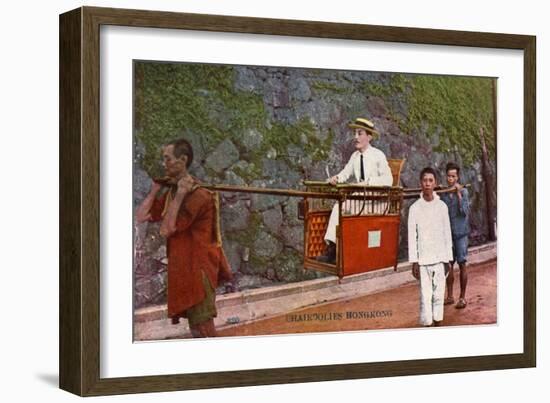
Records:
x=223, y=156
x=274, y=127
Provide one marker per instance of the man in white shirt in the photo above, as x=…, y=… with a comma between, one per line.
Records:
x=430, y=248
x=367, y=165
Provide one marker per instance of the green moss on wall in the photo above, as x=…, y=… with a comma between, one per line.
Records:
x=248, y=236
x=388, y=86
x=249, y=174
x=302, y=134
x=453, y=107
x=328, y=87
x=456, y=106
x=171, y=99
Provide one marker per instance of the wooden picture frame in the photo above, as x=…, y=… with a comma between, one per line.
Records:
x=80, y=199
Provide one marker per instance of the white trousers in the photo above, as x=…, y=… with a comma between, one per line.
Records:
x=330, y=235
x=432, y=293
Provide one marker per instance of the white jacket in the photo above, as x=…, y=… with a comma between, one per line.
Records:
x=375, y=164
x=430, y=239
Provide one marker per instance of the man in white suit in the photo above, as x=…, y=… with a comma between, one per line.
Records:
x=367, y=165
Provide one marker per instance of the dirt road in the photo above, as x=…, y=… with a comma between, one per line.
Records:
x=396, y=308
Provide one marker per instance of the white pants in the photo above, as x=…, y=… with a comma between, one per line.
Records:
x=432, y=293
x=330, y=235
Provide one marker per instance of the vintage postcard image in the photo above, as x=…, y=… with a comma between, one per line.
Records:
x=273, y=200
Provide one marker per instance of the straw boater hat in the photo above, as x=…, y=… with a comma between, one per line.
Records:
x=365, y=124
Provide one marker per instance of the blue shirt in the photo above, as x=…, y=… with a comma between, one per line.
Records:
x=458, y=212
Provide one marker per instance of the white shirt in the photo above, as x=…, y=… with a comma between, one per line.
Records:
x=429, y=232
x=376, y=168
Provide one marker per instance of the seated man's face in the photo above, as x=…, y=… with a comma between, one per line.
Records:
x=361, y=139
x=173, y=167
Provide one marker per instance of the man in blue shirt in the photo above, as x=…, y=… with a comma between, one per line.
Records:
x=458, y=204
